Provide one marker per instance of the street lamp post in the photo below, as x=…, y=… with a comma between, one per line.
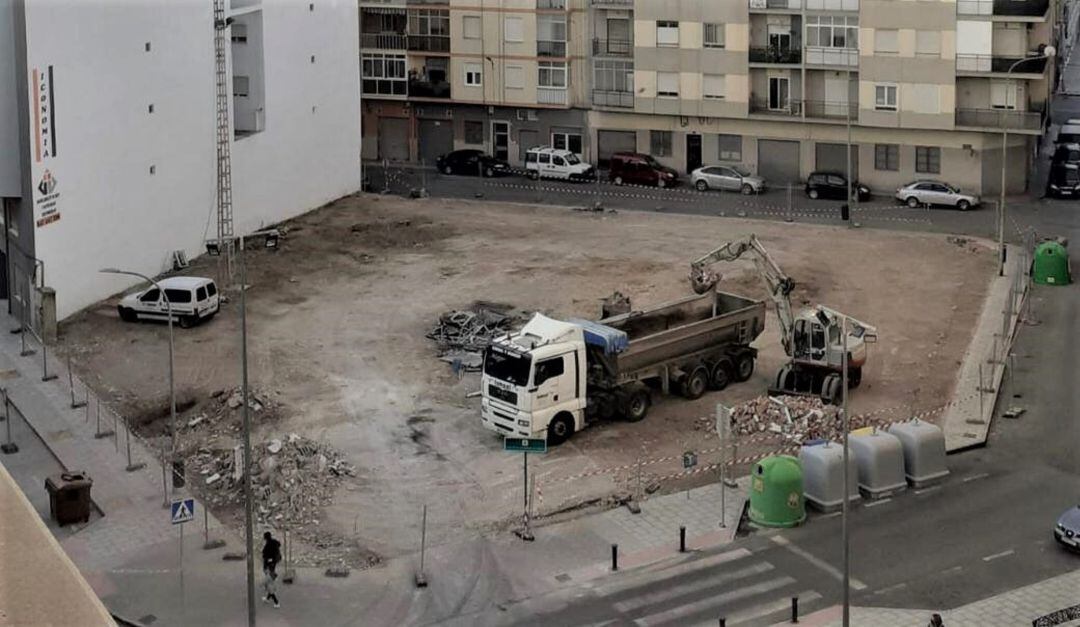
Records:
x=844, y=518
x=1046, y=53
x=172, y=381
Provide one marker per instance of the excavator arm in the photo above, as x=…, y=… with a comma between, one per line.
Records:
x=703, y=279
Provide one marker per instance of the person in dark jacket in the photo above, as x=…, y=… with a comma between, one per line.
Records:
x=271, y=555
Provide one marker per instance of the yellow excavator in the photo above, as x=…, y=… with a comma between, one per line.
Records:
x=813, y=340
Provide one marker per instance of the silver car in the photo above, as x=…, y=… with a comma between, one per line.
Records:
x=1067, y=529
x=935, y=193
x=729, y=177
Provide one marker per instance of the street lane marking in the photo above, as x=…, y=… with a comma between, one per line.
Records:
x=952, y=571
x=981, y=475
x=707, y=604
x=997, y=555
x=893, y=588
x=655, y=598
x=705, y=562
x=832, y=515
x=817, y=561
x=925, y=490
x=878, y=502
x=806, y=597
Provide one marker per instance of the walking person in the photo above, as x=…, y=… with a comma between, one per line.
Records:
x=935, y=621
x=271, y=555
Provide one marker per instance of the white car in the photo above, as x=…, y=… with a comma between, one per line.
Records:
x=553, y=163
x=729, y=177
x=192, y=299
x=918, y=193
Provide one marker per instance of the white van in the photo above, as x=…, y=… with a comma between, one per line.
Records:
x=1069, y=134
x=192, y=299
x=553, y=163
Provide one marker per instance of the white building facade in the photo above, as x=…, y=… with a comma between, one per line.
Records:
x=107, y=119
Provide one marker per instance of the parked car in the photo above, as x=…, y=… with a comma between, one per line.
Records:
x=1067, y=529
x=1064, y=181
x=1066, y=153
x=1068, y=134
x=730, y=177
x=634, y=168
x=935, y=193
x=191, y=298
x=833, y=185
x=471, y=162
x=555, y=163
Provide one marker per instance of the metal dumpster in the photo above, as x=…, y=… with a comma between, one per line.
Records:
x=69, y=497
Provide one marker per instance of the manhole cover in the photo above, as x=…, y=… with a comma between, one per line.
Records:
x=148, y=619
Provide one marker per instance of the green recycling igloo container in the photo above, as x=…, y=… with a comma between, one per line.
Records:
x=776, y=492
x=1051, y=266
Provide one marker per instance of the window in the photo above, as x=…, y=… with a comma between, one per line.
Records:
x=552, y=74
x=241, y=86
x=927, y=160
x=730, y=148
x=545, y=157
x=1002, y=95
x=211, y=289
x=515, y=77
x=470, y=27
x=886, y=41
x=239, y=33
x=429, y=22
x=151, y=296
x=548, y=369
x=200, y=294
x=713, y=86
x=667, y=34
x=474, y=74
x=178, y=296
x=885, y=97
x=713, y=36
x=383, y=74
x=667, y=84
x=513, y=29
x=551, y=35
x=928, y=42
x=566, y=141
x=474, y=132
x=832, y=31
x=660, y=143
x=610, y=75
x=887, y=157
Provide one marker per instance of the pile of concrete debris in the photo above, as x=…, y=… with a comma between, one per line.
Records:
x=223, y=412
x=798, y=418
x=462, y=335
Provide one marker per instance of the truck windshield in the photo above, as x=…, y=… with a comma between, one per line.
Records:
x=508, y=367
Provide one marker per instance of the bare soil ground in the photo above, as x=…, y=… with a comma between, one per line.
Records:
x=337, y=317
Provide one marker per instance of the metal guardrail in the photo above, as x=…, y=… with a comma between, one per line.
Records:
x=551, y=95
x=383, y=41
x=770, y=54
x=1000, y=65
x=792, y=108
x=825, y=109
x=999, y=118
x=612, y=47
x=607, y=98
x=428, y=43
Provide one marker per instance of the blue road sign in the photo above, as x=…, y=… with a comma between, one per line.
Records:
x=182, y=511
x=525, y=445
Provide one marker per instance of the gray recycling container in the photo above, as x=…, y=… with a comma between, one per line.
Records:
x=823, y=475
x=880, y=459
x=924, y=451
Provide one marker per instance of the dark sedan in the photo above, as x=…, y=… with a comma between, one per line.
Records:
x=471, y=163
x=833, y=185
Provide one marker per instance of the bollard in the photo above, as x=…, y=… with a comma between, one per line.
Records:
x=794, y=609
x=209, y=544
x=682, y=539
x=131, y=466
x=45, y=376
x=71, y=384
x=99, y=434
x=723, y=622
x=421, y=578
x=9, y=446
x=614, y=557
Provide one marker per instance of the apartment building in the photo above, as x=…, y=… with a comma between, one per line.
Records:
x=496, y=75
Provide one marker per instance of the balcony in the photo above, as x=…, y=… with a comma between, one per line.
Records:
x=820, y=55
x=383, y=41
x=550, y=48
x=428, y=43
x=372, y=86
x=830, y=110
x=1021, y=8
x=786, y=5
x=1000, y=119
x=790, y=108
x=988, y=64
x=551, y=95
x=419, y=88
x=773, y=55
x=615, y=4
x=619, y=99
x=832, y=5
x=551, y=4
x=612, y=47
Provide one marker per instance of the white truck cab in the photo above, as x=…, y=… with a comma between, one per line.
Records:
x=554, y=163
x=191, y=299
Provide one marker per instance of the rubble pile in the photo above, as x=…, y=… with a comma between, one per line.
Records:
x=461, y=335
x=221, y=416
x=799, y=418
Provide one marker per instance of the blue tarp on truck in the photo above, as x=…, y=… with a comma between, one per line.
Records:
x=612, y=340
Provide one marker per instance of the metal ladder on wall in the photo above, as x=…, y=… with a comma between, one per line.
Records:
x=224, y=143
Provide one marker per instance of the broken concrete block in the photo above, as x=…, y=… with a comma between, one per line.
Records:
x=274, y=446
x=1014, y=412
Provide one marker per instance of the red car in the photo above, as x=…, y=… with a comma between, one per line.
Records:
x=634, y=168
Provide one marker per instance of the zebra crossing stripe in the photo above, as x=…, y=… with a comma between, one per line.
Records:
x=713, y=602
x=806, y=597
x=670, y=594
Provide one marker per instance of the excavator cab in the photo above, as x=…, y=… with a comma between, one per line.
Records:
x=809, y=338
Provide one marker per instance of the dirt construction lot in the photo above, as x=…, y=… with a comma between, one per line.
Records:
x=336, y=325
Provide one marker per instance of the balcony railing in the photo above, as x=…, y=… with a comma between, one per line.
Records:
x=771, y=54
x=776, y=4
x=550, y=48
x=790, y=108
x=605, y=98
x=551, y=4
x=830, y=110
x=1023, y=8
x=999, y=65
x=820, y=55
x=612, y=47
x=428, y=89
x=551, y=95
x=383, y=41
x=999, y=118
x=383, y=86
x=622, y=4
x=832, y=5
x=429, y=43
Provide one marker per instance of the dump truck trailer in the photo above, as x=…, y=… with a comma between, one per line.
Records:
x=553, y=377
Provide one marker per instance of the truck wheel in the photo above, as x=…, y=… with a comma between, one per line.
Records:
x=785, y=379
x=186, y=322
x=830, y=389
x=636, y=405
x=721, y=375
x=854, y=378
x=695, y=384
x=127, y=314
x=744, y=367
x=560, y=429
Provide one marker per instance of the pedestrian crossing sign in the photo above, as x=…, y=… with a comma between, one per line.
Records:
x=182, y=511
